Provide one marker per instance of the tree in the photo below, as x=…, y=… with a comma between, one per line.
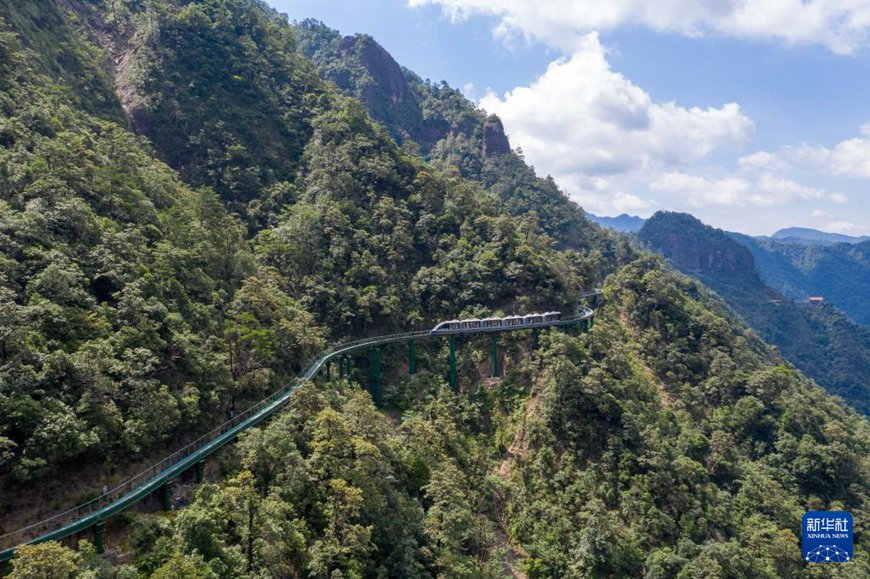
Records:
x=346, y=544
x=49, y=560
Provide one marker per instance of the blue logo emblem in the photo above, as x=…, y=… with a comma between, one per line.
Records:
x=827, y=536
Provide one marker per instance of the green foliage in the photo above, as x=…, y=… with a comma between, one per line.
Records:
x=220, y=91
x=112, y=274
x=838, y=272
x=820, y=341
x=136, y=310
x=46, y=561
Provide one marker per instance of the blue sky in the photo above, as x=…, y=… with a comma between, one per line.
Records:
x=752, y=115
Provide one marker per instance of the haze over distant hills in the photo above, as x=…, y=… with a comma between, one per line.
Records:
x=799, y=262
x=839, y=272
x=809, y=236
x=624, y=222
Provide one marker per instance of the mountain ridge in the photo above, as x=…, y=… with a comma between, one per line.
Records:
x=821, y=341
x=810, y=236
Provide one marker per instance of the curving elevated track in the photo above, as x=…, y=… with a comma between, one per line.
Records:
x=156, y=477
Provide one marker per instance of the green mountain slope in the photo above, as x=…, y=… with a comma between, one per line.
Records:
x=839, y=272
x=113, y=274
x=819, y=340
x=139, y=310
x=148, y=300
x=451, y=132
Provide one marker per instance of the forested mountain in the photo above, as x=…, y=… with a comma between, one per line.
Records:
x=818, y=339
x=838, y=272
x=189, y=211
x=451, y=133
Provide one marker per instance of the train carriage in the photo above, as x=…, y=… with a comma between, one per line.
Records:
x=532, y=319
x=512, y=321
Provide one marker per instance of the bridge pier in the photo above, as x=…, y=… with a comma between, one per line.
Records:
x=199, y=470
x=375, y=375
x=165, y=497
x=453, y=378
x=99, y=533
x=412, y=357
x=534, y=338
x=495, y=368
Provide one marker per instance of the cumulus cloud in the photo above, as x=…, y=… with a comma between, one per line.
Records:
x=767, y=191
x=582, y=118
x=840, y=227
x=762, y=160
x=605, y=196
x=848, y=158
x=851, y=158
x=841, y=26
x=700, y=191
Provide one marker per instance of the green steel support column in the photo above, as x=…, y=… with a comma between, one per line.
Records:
x=200, y=471
x=378, y=377
x=534, y=338
x=375, y=375
x=328, y=376
x=591, y=321
x=165, y=498
x=349, y=366
x=341, y=367
x=412, y=357
x=99, y=531
x=495, y=372
x=453, y=379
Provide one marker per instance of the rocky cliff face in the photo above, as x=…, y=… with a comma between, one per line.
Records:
x=694, y=247
x=389, y=81
x=495, y=141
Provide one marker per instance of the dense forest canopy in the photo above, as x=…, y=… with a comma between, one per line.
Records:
x=189, y=212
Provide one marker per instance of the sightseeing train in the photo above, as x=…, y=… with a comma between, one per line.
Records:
x=491, y=324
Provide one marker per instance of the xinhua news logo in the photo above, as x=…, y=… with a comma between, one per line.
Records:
x=827, y=537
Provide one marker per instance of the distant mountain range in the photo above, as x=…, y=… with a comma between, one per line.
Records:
x=818, y=339
x=839, y=272
x=803, y=235
x=625, y=223
x=799, y=262
x=807, y=236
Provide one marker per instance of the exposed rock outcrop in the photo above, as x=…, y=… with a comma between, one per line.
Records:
x=495, y=141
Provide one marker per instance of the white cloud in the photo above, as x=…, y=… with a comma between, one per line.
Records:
x=851, y=158
x=848, y=158
x=764, y=161
x=700, y=192
x=840, y=227
x=604, y=196
x=840, y=25
x=819, y=214
x=580, y=118
x=767, y=191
